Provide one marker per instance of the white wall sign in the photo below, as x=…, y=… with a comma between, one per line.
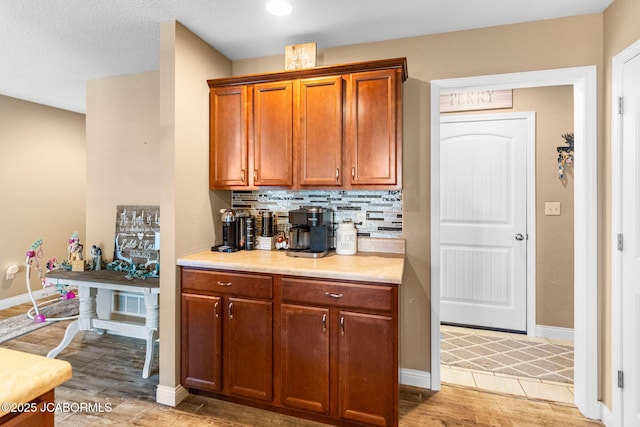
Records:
x=476, y=100
x=137, y=234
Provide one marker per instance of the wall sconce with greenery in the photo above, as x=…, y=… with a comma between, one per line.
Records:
x=565, y=154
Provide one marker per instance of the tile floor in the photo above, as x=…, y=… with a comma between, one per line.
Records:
x=503, y=383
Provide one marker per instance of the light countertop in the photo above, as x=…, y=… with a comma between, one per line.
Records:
x=364, y=266
x=26, y=376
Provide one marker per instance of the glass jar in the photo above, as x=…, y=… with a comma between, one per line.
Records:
x=346, y=238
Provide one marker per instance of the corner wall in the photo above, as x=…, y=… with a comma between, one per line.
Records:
x=187, y=206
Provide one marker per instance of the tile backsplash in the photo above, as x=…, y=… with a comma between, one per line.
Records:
x=376, y=213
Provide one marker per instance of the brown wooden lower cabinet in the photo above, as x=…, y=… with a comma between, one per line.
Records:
x=319, y=349
x=304, y=354
x=367, y=378
x=40, y=414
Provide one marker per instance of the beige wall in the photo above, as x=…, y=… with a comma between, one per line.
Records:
x=554, y=234
x=559, y=43
x=186, y=204
x=554, y=245
x=621, y=29
x=42, y=185
x=122, y=151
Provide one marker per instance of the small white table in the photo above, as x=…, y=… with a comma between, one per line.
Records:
x=88, y=284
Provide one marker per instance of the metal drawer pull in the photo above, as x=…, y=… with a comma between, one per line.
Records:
x=324, y=322
x=230, y=309
x=332, y=295
x=215, y=309
x=224, y=283
x=342, y=326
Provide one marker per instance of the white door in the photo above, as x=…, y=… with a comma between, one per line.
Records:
x=631, y=243
x=483, y=197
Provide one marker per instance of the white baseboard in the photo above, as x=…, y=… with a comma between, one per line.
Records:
x=23, y=298
x=171, y=396
x=606, y=416
x=564, y=334
x=415, y=378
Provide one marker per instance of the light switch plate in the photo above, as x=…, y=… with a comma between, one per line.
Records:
x=552, y=208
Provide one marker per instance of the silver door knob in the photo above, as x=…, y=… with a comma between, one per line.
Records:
x=519, y=236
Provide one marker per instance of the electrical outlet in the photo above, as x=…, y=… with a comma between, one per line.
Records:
x=552, y=208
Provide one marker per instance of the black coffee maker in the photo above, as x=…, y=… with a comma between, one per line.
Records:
x=311, y=232
x=229, y=231
x=238, y=231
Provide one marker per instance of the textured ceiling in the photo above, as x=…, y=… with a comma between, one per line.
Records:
x=49, y=49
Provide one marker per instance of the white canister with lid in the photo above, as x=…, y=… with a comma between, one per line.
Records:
x=346, y=238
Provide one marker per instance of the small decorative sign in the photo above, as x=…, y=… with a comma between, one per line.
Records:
x=298, y=56
x=137, y=235
x=476, y=100
x=77, y=265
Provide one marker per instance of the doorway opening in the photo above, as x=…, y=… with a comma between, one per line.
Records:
x=494, y=189
x=583, y=80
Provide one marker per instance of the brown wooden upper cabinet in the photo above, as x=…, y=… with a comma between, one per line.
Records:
x=374, y=132
x=320, y=132
x=328, y=127
x=273, y=134
x=229, y=137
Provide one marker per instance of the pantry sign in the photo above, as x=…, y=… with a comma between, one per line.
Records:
x=476, y=100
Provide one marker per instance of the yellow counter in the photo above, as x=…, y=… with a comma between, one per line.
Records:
x=27, y=376
x=364, y=266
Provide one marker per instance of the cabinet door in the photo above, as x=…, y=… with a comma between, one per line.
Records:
x=201, y=342
x=305, y=358
x=249, y=344
x=273, y=134
x=367, y=378
x=228, y=137
x=374, y=129
x=320, y=135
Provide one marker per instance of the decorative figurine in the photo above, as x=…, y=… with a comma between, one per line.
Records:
x=75, y=253
x=96, y=258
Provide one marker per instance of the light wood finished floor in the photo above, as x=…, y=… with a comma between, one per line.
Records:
x=107, y=370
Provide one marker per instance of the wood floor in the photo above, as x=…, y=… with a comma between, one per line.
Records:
x=107, y=371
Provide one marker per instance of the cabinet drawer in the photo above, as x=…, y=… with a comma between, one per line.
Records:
x=224, y=283
x=335, y=294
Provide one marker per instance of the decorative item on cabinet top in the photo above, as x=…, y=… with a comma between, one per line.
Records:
x=297, y=56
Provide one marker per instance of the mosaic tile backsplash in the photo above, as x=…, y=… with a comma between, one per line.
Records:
x=376, y=213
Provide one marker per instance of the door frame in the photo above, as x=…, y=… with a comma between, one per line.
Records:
x=616, y=228
x=530, y=177
x=584, y=82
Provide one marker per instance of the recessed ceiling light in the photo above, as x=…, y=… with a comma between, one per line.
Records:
x=279, y=7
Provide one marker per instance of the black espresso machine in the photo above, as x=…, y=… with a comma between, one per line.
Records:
x=311, y=232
